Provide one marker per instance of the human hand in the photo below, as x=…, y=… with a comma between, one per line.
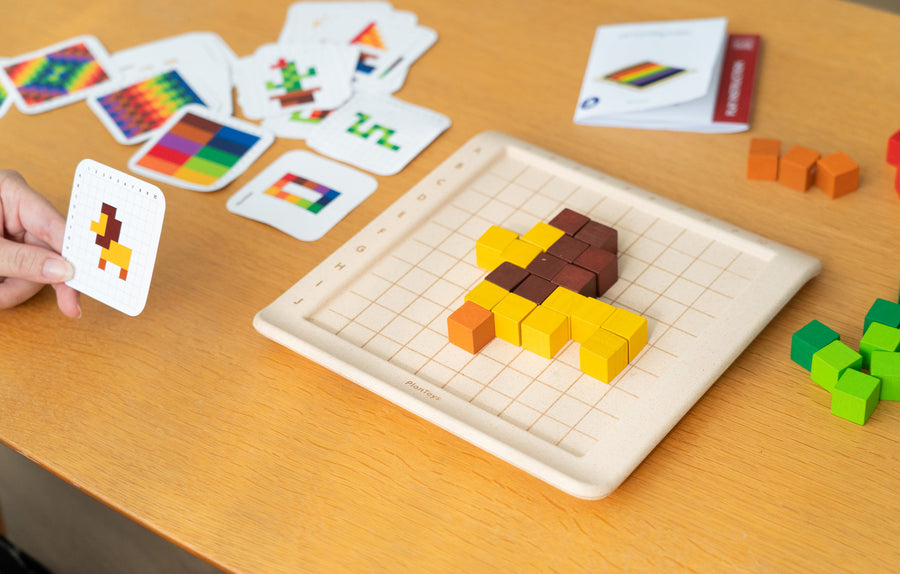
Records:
x=31, y=237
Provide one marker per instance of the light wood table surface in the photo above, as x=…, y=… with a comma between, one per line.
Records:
x=258, y=460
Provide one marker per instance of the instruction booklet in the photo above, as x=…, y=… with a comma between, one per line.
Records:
x=685, y=75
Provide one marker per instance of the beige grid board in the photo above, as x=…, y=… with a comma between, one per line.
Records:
x=680, y=280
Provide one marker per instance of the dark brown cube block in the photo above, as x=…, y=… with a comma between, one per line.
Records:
x=599, y=235
x=569, y=221
x=577, y=279
x=507, y=275
x=535, y=289
x=567, y=248
x=546, y=266
x=604, y=264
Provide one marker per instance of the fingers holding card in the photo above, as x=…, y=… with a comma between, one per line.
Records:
x=112, y=235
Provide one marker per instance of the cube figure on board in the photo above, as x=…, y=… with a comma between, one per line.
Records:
x=569, y=221
x=489, y=247
x=541, y=292
x=470, y=327
x=603, y=355
x=545, y=331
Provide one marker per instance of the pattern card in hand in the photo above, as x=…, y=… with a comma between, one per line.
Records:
x=112, y=234
x=378, y=133
x=200, y=150
x=302, y=194
x=203, y=60
x=131, y=113
x=58, y=75
x=280, y=78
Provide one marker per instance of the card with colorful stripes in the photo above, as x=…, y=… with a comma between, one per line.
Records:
x=132, y=113
x=5, y=98
x=302, y=194
x=200, y=150
x=58, y=75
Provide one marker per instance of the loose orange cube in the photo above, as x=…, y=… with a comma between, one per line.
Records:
x=470, y=327
x=796, y=169
x=837, y=175
x=762, y=162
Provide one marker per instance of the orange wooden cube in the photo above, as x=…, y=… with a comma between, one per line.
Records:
x=762, y=162
x=837, y=175
x=796, y=169
x=470, y=327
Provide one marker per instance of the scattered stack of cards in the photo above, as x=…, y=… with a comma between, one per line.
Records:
x=328, y=80
x=349, y=56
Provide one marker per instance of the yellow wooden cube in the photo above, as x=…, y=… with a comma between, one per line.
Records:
x=489, y=247
x=603, y=355
x=564, y=301
x=508, y=316
x=520, y=253
x=545, y=331
x=631, y=327
x=543, y=235
x=588, y=316
x=486, y=294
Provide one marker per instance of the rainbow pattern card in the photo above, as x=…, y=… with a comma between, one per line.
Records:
x=200, y=150
x=132, y=113
x=58, y=75
x=5, y=99
x=112, y=235
x=302, y=194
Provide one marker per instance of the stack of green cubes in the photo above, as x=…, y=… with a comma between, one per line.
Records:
x=857, y=380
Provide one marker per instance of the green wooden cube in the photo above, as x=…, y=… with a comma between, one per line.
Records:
x=878, y=337
x=830, y=362
x=855, y=396
x=884, y=312
x=886, y=366
x=809, y=339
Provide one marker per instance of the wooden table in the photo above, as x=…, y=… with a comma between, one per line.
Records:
x=258, y=460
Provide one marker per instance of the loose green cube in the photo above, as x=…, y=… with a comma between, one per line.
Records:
x=886, y=366
x=809, y=339
x=855, y=396
x=878, y=337
x=884, y=312
x=830, y=362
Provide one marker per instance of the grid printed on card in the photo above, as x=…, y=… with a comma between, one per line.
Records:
x=376, y=309
x=678, y=279
x=103, y=194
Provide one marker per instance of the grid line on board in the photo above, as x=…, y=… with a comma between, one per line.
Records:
x=678, y=279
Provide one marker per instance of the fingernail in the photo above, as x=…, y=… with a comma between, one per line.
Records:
x=57, y=270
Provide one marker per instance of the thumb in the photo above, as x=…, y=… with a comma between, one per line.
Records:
x=33, y=263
